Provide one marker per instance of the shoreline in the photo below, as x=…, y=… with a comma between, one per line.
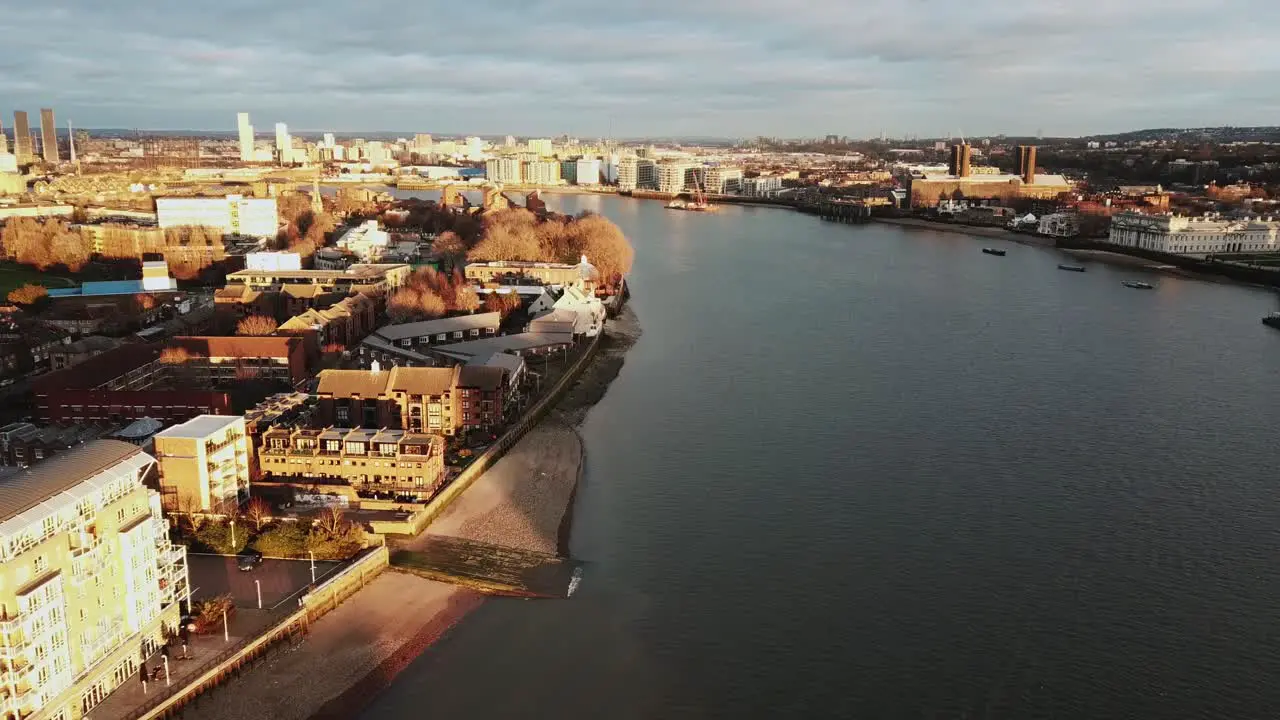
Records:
x=356, y=651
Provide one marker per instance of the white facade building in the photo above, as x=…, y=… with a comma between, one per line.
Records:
x=637, y=173
x=204, y=464
x=764, y=186
x=233, y=214
x=587, y=171
x=541, y=146
x=283, y=142
x=540, y=172
x=1206, y=235
x=723, y=180
x=673, y=176
x=609, y=168
x=246, y=137
x=273, y=261
x=366, y=241
x=503, y=170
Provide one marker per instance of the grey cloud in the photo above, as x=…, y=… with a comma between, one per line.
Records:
x=727, y=67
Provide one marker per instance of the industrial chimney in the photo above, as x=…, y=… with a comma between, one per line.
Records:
x=1027, y=163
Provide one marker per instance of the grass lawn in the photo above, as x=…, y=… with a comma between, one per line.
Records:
x=14, y=276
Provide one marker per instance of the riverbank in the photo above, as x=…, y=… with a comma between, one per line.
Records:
x=524, y=501
x=977, y=230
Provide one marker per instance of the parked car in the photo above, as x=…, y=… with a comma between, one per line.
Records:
x=249, y=560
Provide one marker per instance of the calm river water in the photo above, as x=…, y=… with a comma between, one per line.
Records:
x=870, y=472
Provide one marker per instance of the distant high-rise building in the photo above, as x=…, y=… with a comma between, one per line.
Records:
x=283, y=143
x=541, y=146
x=503, y=170
x=329, y=141
x=422, y=141
x=510, y=142
x=22, y=147
x=4, y=142
x=246, y=137
x=377, y=151
x=49, y=136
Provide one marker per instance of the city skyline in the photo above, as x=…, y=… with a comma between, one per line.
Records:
x=717, y=69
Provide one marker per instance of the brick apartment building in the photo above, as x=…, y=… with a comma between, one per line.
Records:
x=435, y=400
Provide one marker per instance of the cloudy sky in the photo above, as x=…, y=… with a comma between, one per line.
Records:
x=731, y=68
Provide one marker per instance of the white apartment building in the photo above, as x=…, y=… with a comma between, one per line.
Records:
x=89, y=582
x=366, y=241
x=1179, y=235
x=637, y=173
x=587, y=171
x=673, y=176
x=503, y=170
x=763, y=186
x=541, y=146
x=204, y=464
x=723, y=180
x=283, y=141
x=540, y=172
x=246, y=137
x=233, y=214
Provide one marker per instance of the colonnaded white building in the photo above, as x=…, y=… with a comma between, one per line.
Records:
x=1210, y=234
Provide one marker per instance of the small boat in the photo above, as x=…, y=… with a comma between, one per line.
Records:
x=677, y=205
x=1137, y=285
x=1272, y=320
x=993, y=251
x=1072, y=268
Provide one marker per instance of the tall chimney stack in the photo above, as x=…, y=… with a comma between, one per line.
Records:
x=953, y=167
x=965, y=159
x=1027, y=163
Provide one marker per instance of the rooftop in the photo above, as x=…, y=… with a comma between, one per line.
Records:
x=505, y=343
x=239, y=345
x=477, y=321
x=201, y=426
x=99, y=369
x=359, y=271
x=60, y=473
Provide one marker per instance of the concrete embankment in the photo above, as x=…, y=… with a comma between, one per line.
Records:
x=976, y=230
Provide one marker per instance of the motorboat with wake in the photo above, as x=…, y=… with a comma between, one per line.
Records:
x=994, y=251
x=1137, y=285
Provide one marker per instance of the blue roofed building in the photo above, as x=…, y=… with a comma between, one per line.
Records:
x=155, y=278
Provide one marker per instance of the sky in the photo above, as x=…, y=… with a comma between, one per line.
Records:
x=595, y=68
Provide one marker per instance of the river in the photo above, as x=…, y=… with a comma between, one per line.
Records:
x=871, y=472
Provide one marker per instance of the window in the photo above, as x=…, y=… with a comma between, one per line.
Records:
x=333, y=445
x=42, y=564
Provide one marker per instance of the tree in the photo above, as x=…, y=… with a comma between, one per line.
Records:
x=404, y=305
x=503, y=303
x=466, y=299
x=29, y=294
x=509, y=234
x=256, y=325
x=432, y=305
x=144, y=302
x=331, y=521
x=448, y=245
x=175, y=356
x=258, y=513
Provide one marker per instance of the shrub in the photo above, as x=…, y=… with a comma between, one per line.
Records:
x=207, y=614
x=284, y=540
x=216, y=537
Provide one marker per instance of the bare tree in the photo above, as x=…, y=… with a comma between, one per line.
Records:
x=331, y=521
x=175, y=356
x=256, y=325
x=258, y=512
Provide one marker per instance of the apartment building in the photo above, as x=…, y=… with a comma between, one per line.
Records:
x=88, y=579
x=637, y=174
x=233, y=214
x=581, y=275
x=673, y=176
x=723, y=180
x=441, y=400
x=204, y=465
x=365, y=278
x=395, y=461
x=503, y=170
x=366, y=241
x=540, y=172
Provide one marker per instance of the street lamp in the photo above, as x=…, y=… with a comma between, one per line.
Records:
x=166, y=671
x=313, y=566
x=233, y=534
x=226, y=636
x=258, y=584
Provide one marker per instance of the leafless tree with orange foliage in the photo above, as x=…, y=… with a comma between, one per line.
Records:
x=404, y=305
x=509, y=234
x=257, y=325
x=449, y=246
x=258, y=513
x=503, y=303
